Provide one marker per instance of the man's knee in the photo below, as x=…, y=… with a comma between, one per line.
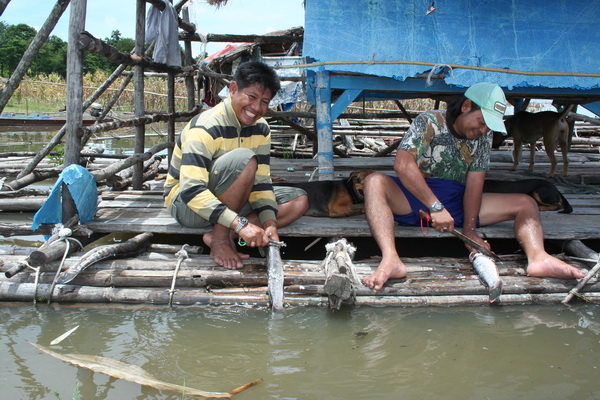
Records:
x=374, y=182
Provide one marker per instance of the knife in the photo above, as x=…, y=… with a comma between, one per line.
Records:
x=425, y=215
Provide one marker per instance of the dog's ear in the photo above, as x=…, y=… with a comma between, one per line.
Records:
x=357, y=179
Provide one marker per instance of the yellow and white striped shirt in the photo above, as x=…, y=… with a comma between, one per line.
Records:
x=204, y=139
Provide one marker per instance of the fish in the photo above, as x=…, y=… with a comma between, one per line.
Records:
x=275, y=274
x=488, y=274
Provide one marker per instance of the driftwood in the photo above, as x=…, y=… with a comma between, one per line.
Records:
x=133, y=373
x=341, y=279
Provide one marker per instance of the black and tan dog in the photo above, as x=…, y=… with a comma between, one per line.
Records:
x=552, y=127
x=545, y=193
x=334, y=198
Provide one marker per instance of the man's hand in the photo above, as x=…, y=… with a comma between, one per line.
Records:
x=442, y=221
x=254, y=235
x=471, y=234
x=271, y=229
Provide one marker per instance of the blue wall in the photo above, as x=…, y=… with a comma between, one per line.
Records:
x=529, y=35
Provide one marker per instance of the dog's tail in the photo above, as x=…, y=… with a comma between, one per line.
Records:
x=567, y=209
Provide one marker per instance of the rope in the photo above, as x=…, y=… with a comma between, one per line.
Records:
x=181, y=255
x=432, y=64
x=59, y=269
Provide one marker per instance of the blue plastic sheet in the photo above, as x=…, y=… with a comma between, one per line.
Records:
x=525, y=35
x=83, y=190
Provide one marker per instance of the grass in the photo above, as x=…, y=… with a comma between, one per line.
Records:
x=47, y=93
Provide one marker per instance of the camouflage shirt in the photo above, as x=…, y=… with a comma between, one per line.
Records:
x=439, y=154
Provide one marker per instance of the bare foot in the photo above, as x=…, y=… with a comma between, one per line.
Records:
x=388, y=269
x=223, y=252
x=552, y=267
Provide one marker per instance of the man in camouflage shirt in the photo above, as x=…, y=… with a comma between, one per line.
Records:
x=440, y=167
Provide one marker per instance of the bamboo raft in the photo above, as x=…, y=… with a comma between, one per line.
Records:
x=147, y=279
x=158, y=276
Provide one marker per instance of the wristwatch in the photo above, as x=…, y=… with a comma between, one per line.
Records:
x=242, y=222
x=436, y=207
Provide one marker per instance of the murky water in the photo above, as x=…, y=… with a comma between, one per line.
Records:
x=532, y=352
x=529, y=352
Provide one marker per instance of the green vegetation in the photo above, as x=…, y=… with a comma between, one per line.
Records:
x=57, y=157
x=52, y=58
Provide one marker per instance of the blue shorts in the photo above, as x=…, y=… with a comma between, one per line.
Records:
x=449, y=193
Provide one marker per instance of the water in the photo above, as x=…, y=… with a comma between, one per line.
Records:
x=533, y=352
x=496, y=352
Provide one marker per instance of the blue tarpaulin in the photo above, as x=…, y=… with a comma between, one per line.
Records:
x=524, y=35
x=83, y=190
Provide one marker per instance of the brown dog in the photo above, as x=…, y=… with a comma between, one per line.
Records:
x=526, y=127
x=336, y=198
x=545, y=193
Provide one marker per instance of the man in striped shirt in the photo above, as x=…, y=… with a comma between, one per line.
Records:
x=220, y=172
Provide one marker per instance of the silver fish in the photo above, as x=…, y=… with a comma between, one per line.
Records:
x=275, y=274
x=488, y=274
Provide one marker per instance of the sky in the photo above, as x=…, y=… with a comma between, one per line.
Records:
x=104, y=16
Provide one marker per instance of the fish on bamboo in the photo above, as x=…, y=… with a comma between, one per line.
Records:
x=488, y=273
x=275, y=274
x=130, y=248
x=133, y=373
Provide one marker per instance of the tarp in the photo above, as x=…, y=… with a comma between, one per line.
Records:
x=83, y=190
x=527, y=35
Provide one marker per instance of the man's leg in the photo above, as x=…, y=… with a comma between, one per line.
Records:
x=383, y=199
x=291, y=210
x=498, y=207
x=220, y=240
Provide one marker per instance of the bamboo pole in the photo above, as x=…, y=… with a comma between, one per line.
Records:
x=171, y=109
x=3, y=4
x=90, y=43
x=138, y=81
x=189, y=60
x=32, y=51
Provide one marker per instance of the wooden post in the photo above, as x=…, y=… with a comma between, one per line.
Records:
x=189, y=60
x=138, y=77
x=74, y=99
x=324, y=126
x=171, y=106
x=32, y=51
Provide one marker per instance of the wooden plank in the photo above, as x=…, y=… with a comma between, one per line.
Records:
x=556, y=226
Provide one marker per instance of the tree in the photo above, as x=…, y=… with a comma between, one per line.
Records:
x=52, y=58
x=13, y=43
